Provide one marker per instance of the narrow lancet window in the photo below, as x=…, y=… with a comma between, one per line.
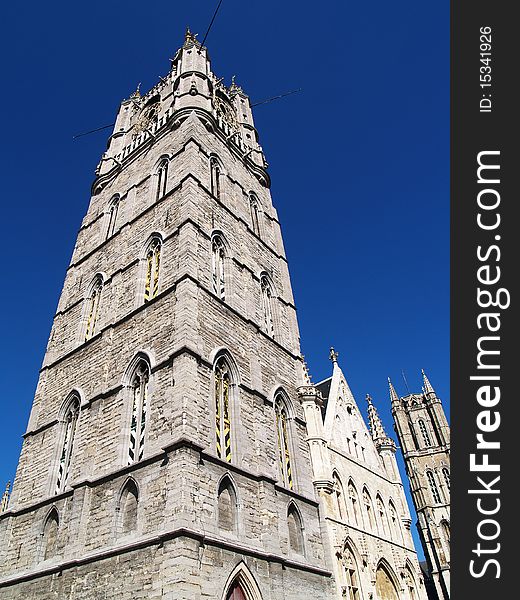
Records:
x=425, y=434
x=267, y=305
x=217, y=265
x=433, y=487
x=283, y=442
x=339, y=497
x=215, y=177
x=93, y=308
x=162, y=177
x=349, y=575
x=71, y=420
x=139, y=385
x=223, y=410
x=153, y=263
x=352, y=493
x=295, y=527
x=382, y=514
x=112, y=217
x=255, y=220
x=446, y=475
x=367, y=501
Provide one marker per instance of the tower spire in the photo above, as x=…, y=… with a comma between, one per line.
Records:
x=394, y=398
x=377, y=429
x=5, y=498
x=427, y=386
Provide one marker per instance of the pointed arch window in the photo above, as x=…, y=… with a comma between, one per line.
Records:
x=433, y=487
x=267, y=305
x=295, y=528
x=446, y=531
x=139, y=385
x=93, y=308
x=424, y=433
x=128, y=505
x=227, y=506
x=410, y=584
x=215, y=176
x=50, y=535
x=255, y=216
x=217, y=266
x=153, y=264
x=369, y=509
x=222, y=378
x=353, y=497
x=446, y=475
x=112, y=216
x=339, y=498
x=349, y=575
x=284, y=453
x=162, y=178
x=70, y=424
x=381, y=510
x=394, y=524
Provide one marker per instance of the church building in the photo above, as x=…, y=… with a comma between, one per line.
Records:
x=177, y=448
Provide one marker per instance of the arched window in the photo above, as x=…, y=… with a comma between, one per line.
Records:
x=410, y=584
x=70, y=423
x=162, y=177
x=50, y=535
x=369, y=509
x=139, y=385
x=222, y=376
x=394, y=523
x=353, y=497
x=339, y=498
x=255, y=219
x=267, y=305
x=385, y=587
x=284, y=454
x=227, y=506
x=424, y=433
x=217, y=267
x=433, y=487
x=295, y=527
x=215, y=176
x=153, y=263
x=112, y=216
x=381, y=513
x=446, y=531
x=349, y=575
x=93, y=308
x=446, y=475
x=128, y=504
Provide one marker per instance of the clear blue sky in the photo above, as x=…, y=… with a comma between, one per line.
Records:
x=359, y=162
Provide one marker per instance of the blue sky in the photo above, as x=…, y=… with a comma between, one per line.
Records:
x=359, y=161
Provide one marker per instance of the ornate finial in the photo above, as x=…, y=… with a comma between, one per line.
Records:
x=333, y=355
x=377, y=429
x=428, y=388
x=5, y=498
x=190, y=38
x=306, y=374
x=137, y=93
x=394, y=398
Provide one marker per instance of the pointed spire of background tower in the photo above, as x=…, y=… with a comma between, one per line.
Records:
x=5, y=498
x=394, y=398
x=376, y=426
x=428, y=388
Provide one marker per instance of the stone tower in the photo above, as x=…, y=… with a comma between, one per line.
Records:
x=424, y=436
x=166, y=453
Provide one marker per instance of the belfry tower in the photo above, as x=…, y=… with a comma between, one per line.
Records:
x=166, y=454
x=424, y=436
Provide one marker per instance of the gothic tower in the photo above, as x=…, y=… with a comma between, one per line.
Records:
x=424, y=436
x=166, y=453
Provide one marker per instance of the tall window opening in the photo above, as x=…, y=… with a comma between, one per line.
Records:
x=139, y=385
x=394, y=523
x=410, y=584
x=353, y=497
x=153, y=263
x=93, y=308
x=222, y=377
x=267, y=305
x=70, y=423
x=217, y=267
x=339, y=498
x=349, y=575
x=385, y=586
x=369, y=509
x=382, y=514
x=433, y=487
x=227, y=506
x=162, y=177
x=50, y=535
x=112, y=216
x=255, y=218
x=128, y=507
x=215, y=176
x=446, y=475
x=295, y=527
x=424, y=433
x=283, y=441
